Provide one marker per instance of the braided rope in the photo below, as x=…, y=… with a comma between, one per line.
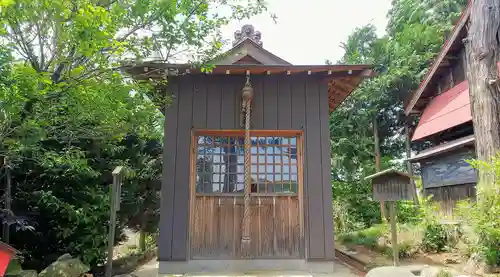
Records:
x=245, y=239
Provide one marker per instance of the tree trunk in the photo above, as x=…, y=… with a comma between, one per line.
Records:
x=383, y=213
x=482, y=49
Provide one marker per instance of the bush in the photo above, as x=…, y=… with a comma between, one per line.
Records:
x=435, y=238
x=407, y=212
x=484, y=215
x=344, y=221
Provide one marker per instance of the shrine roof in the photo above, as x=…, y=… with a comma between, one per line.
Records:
x=248, y=57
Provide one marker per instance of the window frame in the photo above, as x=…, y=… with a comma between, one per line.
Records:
x=196, y=133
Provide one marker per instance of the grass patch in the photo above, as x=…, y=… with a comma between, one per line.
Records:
x=367, y=237
x=378, y=238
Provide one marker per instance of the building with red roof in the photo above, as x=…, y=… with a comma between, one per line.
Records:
x=442, y=106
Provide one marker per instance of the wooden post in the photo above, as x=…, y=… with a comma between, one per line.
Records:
x=408, y=162
x=482, y=54
x=8, y=202
x=394, y=232
x=114, y=207
x=377, y=162
x=391, y=185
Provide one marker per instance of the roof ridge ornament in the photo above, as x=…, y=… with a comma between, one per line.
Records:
x=247, y=31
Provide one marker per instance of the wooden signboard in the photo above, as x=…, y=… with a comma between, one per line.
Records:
x=391, y=185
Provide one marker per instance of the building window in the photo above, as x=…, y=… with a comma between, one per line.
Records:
x=220, y=163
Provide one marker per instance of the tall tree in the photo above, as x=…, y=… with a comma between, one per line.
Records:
x=483, y=53
x=66, y=108
x=415, y=33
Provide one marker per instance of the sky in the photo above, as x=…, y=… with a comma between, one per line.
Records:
x=309, y=32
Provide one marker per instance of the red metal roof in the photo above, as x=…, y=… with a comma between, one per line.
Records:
x=447, y=110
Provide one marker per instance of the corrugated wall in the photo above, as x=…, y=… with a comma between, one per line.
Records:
x=214, y=102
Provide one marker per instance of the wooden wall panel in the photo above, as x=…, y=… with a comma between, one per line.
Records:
x=298, y=121
x=214, y=101
x=168, y=176
x=448, y=197
x=459, y=73
x=199, y=102
x=314, y=174
x=270, y=104
x=326, y=180
x=181, y=189
x=453, y=75
x=288, y=102
x=284, y=105
x=257, y=102
x=229, y=116
x=217, y=227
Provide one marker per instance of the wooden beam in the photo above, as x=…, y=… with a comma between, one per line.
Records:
x=239, y=132
x=337, y=87
x=346, y=85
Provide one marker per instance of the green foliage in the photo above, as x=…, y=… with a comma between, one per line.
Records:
x=142, y=197
x=378, y=236
x=407, y=212
x=68, y=114
x=435, y=238
x=367, y=237
x=415, y=34
x=484, y=214
x=444, y=273
x=342, y=219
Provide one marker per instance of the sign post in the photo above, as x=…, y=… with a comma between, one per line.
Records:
x=391, y=185
x=115, y=197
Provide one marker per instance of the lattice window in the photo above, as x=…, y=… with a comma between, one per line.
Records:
x=220, y=164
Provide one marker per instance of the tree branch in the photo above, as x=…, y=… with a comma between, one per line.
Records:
x=56, y=76
x=40, y=45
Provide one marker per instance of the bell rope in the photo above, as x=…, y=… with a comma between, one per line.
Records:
x=247, y=94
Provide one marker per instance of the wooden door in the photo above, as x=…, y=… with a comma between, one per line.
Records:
x=217, y=186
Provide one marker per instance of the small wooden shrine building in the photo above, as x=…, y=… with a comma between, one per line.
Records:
x=442, y=105
x=246, y=170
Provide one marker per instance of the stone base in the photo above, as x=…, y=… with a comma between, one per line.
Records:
x=230, y=267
